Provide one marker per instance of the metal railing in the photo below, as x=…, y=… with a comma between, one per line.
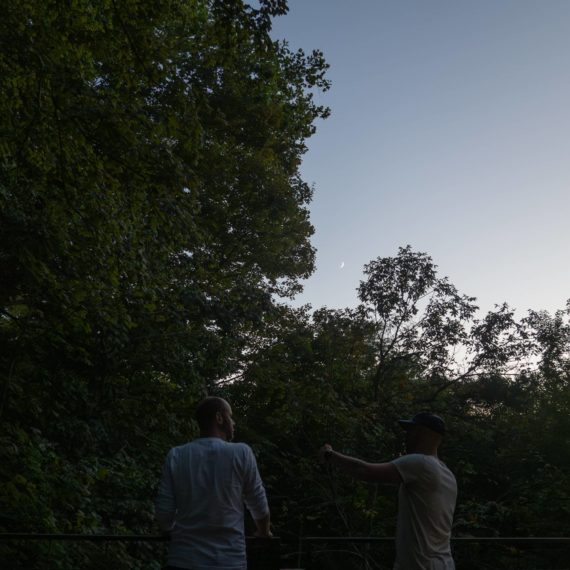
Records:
x=262, y=553
x=469, y=553
x=314, y=552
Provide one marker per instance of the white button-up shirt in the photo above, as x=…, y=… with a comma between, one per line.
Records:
x=201, y=497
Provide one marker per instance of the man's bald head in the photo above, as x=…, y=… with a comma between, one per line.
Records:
x=214, y=417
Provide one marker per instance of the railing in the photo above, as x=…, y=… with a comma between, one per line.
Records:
x=262, y=553
x=317, y=552
x=473, y=553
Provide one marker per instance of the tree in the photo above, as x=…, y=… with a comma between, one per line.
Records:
x=551, y=340
x=151, y=209
x=150, y=172
x=426, y=327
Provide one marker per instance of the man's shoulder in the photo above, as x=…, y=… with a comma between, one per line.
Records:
x=410, y=459
x=178, y=449
x=412, y=467
x=428, y=469
x=420, y=459
x=241, y=449
x=199, y=443
x=238, y=449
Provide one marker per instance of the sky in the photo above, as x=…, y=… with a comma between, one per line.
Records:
x=450, y=131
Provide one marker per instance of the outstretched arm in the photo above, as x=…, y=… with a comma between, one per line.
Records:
x=358, y=469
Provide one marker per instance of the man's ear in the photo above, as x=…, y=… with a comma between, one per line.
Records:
x=219, y=418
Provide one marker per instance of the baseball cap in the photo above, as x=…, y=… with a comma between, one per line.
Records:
x=425, y=419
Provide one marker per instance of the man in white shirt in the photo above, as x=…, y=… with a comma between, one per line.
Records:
x=202, y=492
x=427, y=495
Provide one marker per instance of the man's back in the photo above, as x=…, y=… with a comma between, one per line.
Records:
x=206, y=483
x=426, y=500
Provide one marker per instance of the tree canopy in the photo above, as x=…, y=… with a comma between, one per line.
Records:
x=151, y=211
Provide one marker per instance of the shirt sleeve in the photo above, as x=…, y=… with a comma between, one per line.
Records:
x=412, y=468
x=253, y=489
x=165, y=502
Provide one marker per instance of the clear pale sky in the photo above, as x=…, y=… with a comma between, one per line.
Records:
x=450, y=131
